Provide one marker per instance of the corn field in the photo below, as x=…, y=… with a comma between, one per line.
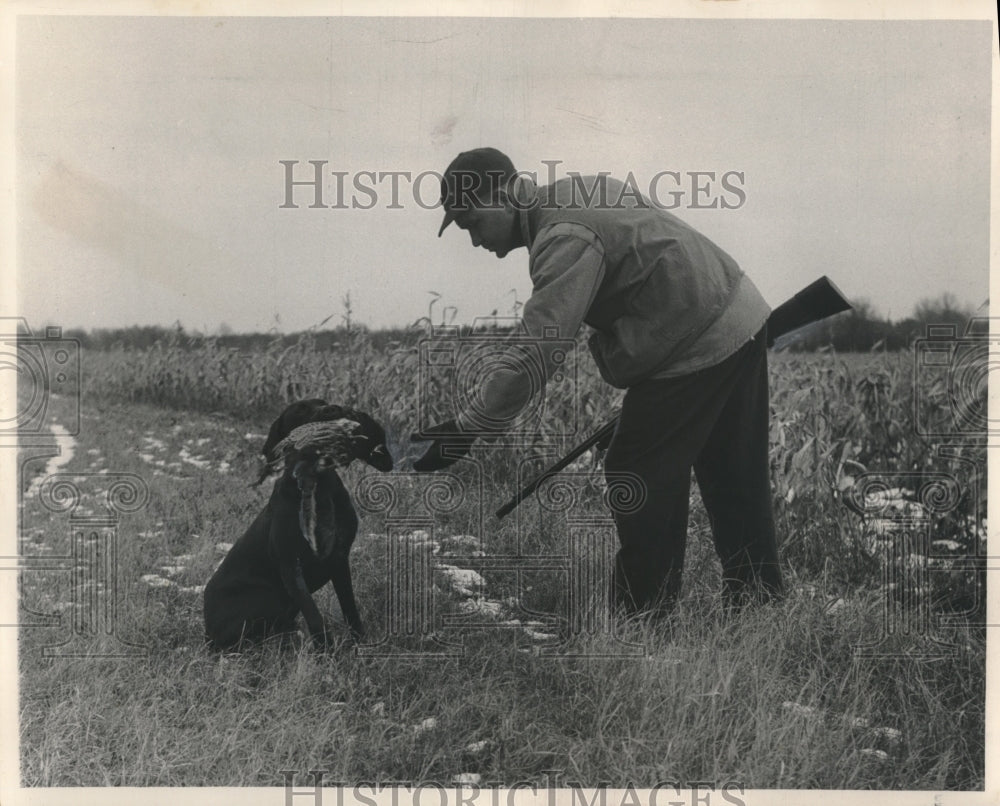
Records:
x=834, y=419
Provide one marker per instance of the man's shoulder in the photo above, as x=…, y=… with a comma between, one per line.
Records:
x=575, y=190
x=564, y=233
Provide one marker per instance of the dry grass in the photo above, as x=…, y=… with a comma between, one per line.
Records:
x=773, y=699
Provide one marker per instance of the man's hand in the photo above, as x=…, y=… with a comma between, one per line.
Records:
x=448, y=446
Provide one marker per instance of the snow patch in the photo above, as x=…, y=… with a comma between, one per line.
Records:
x=67, y=448
x=464, y=581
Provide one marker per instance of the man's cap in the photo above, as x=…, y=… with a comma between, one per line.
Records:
x=476, y=173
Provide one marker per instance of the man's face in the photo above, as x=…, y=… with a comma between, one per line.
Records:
x=492, y=226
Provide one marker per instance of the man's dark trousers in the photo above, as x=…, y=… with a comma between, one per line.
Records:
x=715, y=420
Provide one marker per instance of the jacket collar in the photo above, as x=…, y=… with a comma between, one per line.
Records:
x=527, y=192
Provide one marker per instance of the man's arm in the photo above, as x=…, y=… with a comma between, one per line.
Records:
x=567, y=270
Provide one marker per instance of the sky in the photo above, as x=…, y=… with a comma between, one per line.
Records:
x=150, y=184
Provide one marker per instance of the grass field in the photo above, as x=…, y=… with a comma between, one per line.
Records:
x=781, y=697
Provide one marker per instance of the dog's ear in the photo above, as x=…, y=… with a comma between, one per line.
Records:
x=294, y=415
x=375, y=452
x=331, y=411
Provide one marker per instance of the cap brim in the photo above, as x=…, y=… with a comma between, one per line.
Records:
x=448, y=218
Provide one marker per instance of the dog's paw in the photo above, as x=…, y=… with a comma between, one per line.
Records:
x=357, y=635
x=321, y=641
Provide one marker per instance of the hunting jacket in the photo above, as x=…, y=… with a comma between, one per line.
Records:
x=662, y=299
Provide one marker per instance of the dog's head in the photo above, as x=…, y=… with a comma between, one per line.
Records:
x=365, y=438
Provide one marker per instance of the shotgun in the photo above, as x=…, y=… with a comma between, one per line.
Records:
x=815, y=302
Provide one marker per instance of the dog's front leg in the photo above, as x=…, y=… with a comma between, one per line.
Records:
x=286, y=546
x=295, y=584
x=340, y=575
x=345, y=528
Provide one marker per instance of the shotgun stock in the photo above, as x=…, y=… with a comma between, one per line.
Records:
x=815, y=302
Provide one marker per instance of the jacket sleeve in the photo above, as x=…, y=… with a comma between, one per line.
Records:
x=567, y=267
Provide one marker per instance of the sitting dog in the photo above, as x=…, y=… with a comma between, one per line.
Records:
x=302, y=538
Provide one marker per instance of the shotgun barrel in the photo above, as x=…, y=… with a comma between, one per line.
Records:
x=815, y=302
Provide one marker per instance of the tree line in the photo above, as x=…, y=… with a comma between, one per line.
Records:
x=861, y=329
